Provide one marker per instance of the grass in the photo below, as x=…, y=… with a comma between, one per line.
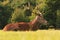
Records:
x=36, y=35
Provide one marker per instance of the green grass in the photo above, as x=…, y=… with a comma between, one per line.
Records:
x=36, y=35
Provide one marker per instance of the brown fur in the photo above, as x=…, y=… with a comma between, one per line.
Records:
x=23, y=26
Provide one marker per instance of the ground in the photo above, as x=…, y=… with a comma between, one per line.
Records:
x=36, y=35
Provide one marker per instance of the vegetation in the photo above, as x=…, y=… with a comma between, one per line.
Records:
x=21, y=10
x=37, y=35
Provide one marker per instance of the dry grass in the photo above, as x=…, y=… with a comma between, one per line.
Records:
x=36, y=35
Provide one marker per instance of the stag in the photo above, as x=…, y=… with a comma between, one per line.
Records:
x=30, y=26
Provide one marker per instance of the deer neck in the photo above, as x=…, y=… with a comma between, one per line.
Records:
x=34, y=21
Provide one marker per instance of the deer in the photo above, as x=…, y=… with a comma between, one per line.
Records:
x=27, y=26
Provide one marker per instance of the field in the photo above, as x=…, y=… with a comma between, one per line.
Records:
x=30, y=35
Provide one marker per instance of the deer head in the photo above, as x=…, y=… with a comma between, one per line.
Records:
x=40, y=18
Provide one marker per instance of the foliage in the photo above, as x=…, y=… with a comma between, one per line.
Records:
x=19, y=16
x=5, y=13
x=16, y=11
x=58, y=18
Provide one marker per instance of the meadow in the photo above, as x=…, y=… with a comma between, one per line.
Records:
x=30, y=35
